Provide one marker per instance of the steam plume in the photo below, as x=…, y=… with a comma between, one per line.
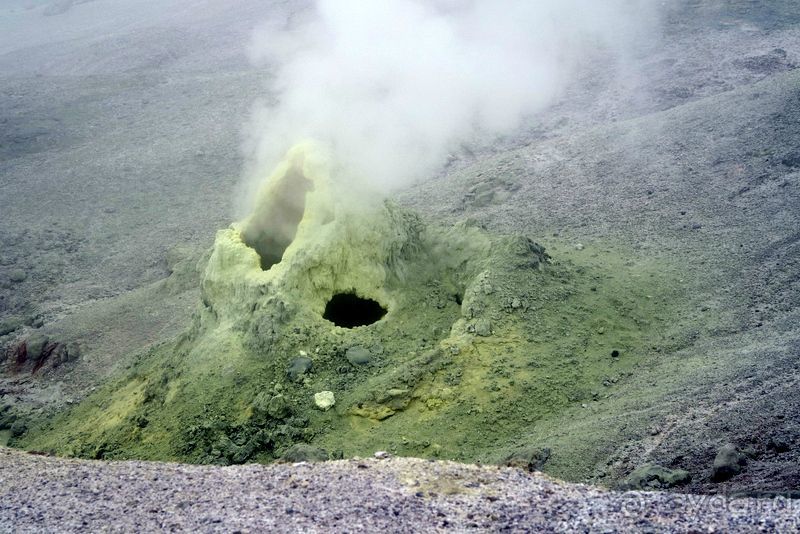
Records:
x=392, y=86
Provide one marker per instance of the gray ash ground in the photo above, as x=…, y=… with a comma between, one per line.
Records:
x=113, y=152
x=356, y=495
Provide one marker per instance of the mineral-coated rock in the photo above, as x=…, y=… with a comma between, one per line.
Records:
x=324, y=400
x=358, y=355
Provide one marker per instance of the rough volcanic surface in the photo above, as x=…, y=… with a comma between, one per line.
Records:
x=108, y=204
x=357, y=495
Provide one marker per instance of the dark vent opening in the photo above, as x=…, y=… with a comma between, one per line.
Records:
x=274, y=225
x=348, y=310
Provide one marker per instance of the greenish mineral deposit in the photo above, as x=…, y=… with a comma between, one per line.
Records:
x=438, y=341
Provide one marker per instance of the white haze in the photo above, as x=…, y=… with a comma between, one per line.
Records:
x=393, y=86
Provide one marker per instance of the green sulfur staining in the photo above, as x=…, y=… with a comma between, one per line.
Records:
x=435, y=341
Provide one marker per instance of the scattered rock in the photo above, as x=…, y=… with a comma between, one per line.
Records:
x=358, y=355
x=792, y=160
x=396, y=398
x=727, y=463
x=524, y=253
x=274, y=406
x=324, y=400
x=303, y=452
x=382, y=455
x=17, y=276
x=654, y=477
x=298, y=367
x=35, y=345
x=18, y=428
x=773, y=61
x=778, y=444
x=9, y=325
x=7, y=416
x=482, y=327
x=278, y=407
x=488, y=192
x=529, y=458
x=73, y=352
x=261, y=402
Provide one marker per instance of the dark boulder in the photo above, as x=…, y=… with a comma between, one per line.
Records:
x=727, y=463
x=528, y=458
x=358, y=355
x=303, y=452
x=654, y=477
x=298, y=367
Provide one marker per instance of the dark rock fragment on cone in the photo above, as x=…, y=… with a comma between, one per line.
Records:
x=9, y=325
x=654, y=477
x=35, y=345
x=273, y=406
x=358, y=355
x=727, y=463
x=298, y=367
x=303, y=452
x=528, y=458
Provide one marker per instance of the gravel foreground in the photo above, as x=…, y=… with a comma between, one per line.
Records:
x=359, y=495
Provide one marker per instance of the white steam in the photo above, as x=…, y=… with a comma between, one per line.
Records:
x=392, y=86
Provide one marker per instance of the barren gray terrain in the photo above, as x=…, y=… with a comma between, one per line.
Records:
x=357, y=495
x=120, y=135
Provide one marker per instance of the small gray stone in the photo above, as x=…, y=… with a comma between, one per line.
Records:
x=278, y=407
x=654, y=477
x=9, y=325
x=483, y=328
x=727, y=463
x=298, y=367
x=274, y=406
x=17, y=276
x=779, y=444
x=261, y=402
x=303, y=452
x=358, y=355
x=7, y=416
x=528, y=458
x=35, y=345
x=18, y=428
x=72, y=352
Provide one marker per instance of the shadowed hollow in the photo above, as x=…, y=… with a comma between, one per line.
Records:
x=348, y=310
